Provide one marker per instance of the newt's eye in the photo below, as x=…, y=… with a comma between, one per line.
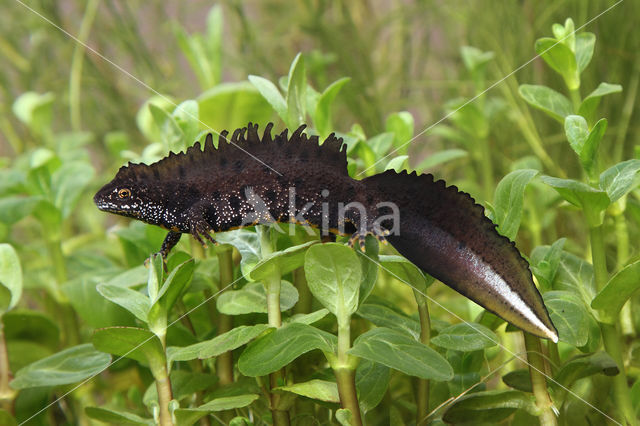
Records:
x=124, y=193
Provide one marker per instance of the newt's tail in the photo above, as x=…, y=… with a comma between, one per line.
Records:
x=445, y=233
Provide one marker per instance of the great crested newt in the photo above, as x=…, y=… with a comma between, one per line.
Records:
x=249, y=179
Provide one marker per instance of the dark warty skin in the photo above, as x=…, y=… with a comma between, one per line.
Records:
x=438, y=228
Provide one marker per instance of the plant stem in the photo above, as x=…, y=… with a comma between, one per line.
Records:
x=163, y=386
x=346, y=379
x=486, y=168
x=75, y=77
x=273, y=285
x=422, y=397
x=610, y=333
x=538, y=382
x=224, y=362
x=66, y=312
x=575, y=99
x=345, y=371
x=305, y=299
x=6, y=393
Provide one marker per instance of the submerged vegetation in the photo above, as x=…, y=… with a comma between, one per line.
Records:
x=273, y=328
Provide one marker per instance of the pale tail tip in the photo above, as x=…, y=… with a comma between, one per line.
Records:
x=552, y=335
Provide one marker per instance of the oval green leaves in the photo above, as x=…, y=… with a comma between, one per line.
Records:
x=334, y=273
x=69, y=366
x=223, y=343
x=569, y=315
x=10, y=278
x=465, y=337
x=548, y=100
x=509, y=201
x=402, y=352
x=488, y=406
x=252, y=298
x=278, y=348
x=561, y=58
x=614, y=295
x=135, y=343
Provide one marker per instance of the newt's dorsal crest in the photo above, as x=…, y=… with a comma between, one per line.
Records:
x=244, y=143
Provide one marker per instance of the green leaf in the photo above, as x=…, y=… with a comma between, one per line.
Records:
x=344, y=416
x=403, y=270
x=252, y=298
x=322, y=119
x=333, y=274
x=68, y=184
x=401, y=124
x=383, y=316
x=71, y=365
x=509, y=201
x=135, y=343
x=380, y=144
x=585, y=43
x=561, y=59
x=576, y=275
x=278, y=348
x=465, y=337
x=472, y=57
x=133, y=301
x=187, y=116
x=270, y=92
x=247, y=243
x=577, y=130
x=398, y=163
x=14, y=209
x=171, y=134
x=401, y=352
x=440, y=157
x=570, y=316
x=232, y=105
x=175, y=284
x=316, y=389
x=545, y=261
x=296, y=93
x=547, y=100
x=620, y=179
x=519, y=380
x=369, y=263
x=108, y=415
x=488, y=406
x=225, y=342
x=591, y=200
x=584, y=142
x=585, y=366
x=615, y=294
x=588, y=106
x=590, y=149
x=35, y=110
x=372, y=381
x=309, y=318
x=283, y=262
x=565, y=33
x=10, y=277
x=469, y=117
x=188, y=416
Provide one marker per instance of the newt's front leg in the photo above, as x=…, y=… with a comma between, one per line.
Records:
x=199, y=226
x=169, y=242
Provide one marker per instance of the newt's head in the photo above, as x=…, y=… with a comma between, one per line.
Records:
x=123, y=198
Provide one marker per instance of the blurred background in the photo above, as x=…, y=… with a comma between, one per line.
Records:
x=157, y=74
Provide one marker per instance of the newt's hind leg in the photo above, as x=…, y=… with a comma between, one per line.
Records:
x=361, y=235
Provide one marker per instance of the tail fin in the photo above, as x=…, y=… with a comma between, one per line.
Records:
x=445, y=233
